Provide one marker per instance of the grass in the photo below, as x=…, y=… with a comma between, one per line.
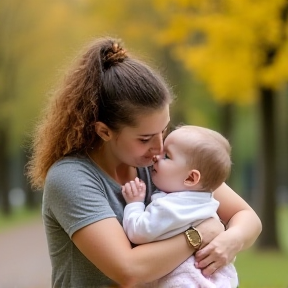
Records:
x=18, y=217
x=258, y=269
x=262, y=269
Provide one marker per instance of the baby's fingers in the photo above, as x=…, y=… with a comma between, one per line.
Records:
x=126, y=190
x=134, y=188
x=140, y=185
x=137, y=181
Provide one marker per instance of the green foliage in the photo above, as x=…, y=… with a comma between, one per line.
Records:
x=29, y=52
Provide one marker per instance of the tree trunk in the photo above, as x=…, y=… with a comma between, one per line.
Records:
x=227, y=111
x=4, y=173
x=268, y=176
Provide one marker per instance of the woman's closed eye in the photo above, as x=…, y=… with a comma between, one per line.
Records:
x=145, y=140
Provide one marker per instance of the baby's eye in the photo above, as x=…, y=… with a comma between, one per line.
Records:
x=166, y=156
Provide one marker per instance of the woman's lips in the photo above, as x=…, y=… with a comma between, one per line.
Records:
x=148, y=157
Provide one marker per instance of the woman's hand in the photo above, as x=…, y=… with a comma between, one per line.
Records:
x=218, y=253
x=209, y=253
x=209, y=229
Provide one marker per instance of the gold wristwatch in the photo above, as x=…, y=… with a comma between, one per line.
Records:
x=193, y=237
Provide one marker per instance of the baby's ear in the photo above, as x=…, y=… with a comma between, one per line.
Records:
x=193, y=178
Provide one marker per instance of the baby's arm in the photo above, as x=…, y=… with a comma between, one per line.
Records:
x=134, y=191
x=134, y=194
x=139, y=224
x=166, y=216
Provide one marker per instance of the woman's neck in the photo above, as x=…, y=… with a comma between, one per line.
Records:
x=118, y=171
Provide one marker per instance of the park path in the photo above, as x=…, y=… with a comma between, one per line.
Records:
x=24, y=260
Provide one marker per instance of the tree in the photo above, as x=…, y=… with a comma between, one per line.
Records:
x=239, y=49
x=26, y=62
x=8, y=74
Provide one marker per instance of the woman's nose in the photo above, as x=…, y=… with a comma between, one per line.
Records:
x=157, y=144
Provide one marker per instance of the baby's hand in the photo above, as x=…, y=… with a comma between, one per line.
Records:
x=134, y=191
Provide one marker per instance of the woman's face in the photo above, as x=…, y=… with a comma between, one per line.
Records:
x=135, y=146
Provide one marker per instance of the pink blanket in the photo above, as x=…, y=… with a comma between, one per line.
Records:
x=188, y=276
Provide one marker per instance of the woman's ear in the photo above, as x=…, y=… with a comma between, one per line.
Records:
x=103, y=131
x=193, y=178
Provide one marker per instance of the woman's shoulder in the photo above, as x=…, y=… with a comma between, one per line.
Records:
x=71, y=169
x=71, y=164
x=72, y=160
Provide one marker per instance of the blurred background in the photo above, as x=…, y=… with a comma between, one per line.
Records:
x=227, y=62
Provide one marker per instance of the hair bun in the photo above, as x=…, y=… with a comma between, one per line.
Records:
x=112, y=54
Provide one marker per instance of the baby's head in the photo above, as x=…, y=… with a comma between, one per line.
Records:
x=194, y=158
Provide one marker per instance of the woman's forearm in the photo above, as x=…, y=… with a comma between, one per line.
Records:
x=166, y=253
x=243, y=228
x=238, y=216
x=247, y=226
x=154, y=260
x=105, y=244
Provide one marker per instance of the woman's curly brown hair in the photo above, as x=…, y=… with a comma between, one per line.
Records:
x=103, y=85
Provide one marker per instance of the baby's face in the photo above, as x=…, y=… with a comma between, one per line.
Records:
x=170, y=169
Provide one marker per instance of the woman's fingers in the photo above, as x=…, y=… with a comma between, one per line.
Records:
x=210, y=258
x=207, y=266
x=210, y=269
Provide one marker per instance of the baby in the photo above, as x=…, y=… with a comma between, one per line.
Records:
x=194, y=163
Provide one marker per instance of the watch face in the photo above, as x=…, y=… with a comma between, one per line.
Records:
x=194, y=238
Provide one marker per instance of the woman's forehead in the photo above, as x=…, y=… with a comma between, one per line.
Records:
x=154, y=122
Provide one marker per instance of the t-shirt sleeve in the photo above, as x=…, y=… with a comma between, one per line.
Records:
x=75, y=196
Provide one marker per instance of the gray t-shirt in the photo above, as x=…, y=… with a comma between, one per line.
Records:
x=78, y=193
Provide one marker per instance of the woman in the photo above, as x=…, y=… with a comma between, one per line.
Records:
x=101, y=130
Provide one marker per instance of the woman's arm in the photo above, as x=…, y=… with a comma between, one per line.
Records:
x=105, y=244
x=243, y=228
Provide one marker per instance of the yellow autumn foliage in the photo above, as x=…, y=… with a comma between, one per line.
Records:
x=226, y=43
